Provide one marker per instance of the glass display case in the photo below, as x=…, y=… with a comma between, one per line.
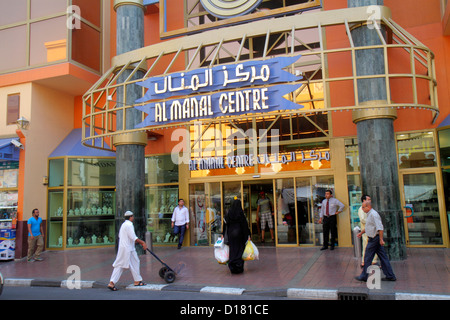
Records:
x=56, y=173
x=55, y=218
x=90, y=217
x=91, y=172
x=81, y=202
x=160, y=203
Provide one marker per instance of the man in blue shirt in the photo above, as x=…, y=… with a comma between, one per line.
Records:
x=35, y=237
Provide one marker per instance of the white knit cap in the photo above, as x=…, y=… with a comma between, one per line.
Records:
x=128, y=213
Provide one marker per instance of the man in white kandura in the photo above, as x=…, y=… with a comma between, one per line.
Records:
x=127, y=257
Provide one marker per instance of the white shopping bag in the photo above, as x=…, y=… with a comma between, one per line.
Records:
x=219, y=243
x=222, y=254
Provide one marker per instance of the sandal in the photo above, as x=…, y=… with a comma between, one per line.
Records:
x=140, y=284
x=112, y=288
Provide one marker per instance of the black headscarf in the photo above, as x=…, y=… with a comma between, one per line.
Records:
x=235, y=213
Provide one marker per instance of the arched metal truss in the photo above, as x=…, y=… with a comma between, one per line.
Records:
x=409, y=65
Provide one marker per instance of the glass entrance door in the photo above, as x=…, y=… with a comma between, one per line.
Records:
x=286, y=216
x=310, y=192
x=305, y=211
x=205, y=213
x=260, y=194
x=289, y=208
x=423, y=221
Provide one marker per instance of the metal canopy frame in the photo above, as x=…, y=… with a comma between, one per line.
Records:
x=299, y=34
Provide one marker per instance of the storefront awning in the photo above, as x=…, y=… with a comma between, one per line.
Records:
x=72, y=146
x=8, y=151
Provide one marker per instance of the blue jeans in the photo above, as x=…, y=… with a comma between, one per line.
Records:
x=374, y=246
x=180, y=230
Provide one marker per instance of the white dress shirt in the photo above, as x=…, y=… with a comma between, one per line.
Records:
x=334, y=206
x=180, y=216
x=373, y=223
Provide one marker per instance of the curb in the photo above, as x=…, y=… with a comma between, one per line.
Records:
x=322, y=294
x=293, y=293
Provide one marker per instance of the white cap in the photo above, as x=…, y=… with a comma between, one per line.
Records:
x=128, y=213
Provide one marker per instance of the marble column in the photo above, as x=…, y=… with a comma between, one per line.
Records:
x=130, y=148
x=376, y=137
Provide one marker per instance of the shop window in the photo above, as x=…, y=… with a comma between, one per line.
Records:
x=9, y=178
x=8, y=204
x=286, y=219
x=13, y=108
x=161, y=169
x=160, y=202
x=354, y=196
x=90, y=217
x=56, y=173
x=352, y=155
x=161, y=198
x=424, y=227
x=88, y=213
x=444, y=146
x=92, y=172
x=416, y=150
x=309, y=196
x=9, y=173
x=205, y=210
x=55, y=218
x=446, y=183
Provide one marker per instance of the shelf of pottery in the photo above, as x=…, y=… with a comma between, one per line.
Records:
x=89, y=219
x=84, y=212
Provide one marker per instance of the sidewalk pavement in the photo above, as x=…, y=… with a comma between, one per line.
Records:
x=300, y=272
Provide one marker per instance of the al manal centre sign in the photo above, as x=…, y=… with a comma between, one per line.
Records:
x=256, y=86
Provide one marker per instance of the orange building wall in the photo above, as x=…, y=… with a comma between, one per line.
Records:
x=151, y=36
x=425, y=24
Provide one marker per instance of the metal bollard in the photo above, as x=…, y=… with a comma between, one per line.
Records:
x=357, y=242
x=149, y=240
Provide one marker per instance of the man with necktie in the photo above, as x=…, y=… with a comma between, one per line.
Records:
x=331, y=207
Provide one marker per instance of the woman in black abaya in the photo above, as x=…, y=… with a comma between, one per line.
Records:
x=236, y=230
